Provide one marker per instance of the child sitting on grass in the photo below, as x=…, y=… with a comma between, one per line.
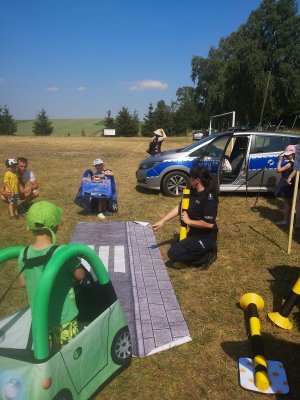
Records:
x=11, y=187
x=43, y=219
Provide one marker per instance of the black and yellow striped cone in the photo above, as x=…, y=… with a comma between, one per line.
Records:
x=252, y=303
x=281, y=318
x=184, y=207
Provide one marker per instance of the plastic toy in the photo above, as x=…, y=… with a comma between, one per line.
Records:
x=184, y=207
x=259, y=374
x=89, y=191
x=30, y=370
x=281, y=318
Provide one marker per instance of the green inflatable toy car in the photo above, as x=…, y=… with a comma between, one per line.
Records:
x=28, y=368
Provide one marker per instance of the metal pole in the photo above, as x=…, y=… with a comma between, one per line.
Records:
x=294, y=122
x=293, y=212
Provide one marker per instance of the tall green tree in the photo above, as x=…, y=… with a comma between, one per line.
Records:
x=42, y=126
x=163, y=117
x=126, y=124
x=8, y=125
x=148, y=126
x=109, y=122
x=184, y=110
x=234, y=76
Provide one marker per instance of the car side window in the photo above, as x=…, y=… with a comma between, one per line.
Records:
x=268, y=143
x=213, y=149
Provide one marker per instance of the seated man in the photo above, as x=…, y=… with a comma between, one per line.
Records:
x=28, y=184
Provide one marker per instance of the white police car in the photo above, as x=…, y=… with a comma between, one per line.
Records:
x=252, y=156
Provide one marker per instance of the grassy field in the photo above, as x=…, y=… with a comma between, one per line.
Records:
x=67, y=127
x=252, y=257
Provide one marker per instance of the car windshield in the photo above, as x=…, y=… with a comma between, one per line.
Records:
x=197, y=143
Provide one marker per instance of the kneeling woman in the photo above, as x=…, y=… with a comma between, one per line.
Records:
x=200, y=247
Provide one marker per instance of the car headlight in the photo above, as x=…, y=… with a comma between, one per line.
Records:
x=12, y=389
x=149, y=165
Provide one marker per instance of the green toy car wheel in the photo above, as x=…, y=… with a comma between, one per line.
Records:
x=121, y=349
x=63, y=394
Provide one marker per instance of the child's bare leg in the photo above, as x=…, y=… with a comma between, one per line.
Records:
x=11, y=208
x=15, y=206
x=102, y=205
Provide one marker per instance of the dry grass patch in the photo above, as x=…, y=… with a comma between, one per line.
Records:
x=251, y=258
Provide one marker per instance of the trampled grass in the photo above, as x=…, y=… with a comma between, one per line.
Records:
x=252, y=257
x=66, y=127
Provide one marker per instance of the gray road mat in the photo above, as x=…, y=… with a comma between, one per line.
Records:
x=131, y=255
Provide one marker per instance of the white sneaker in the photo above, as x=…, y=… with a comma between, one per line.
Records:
x=100, y=215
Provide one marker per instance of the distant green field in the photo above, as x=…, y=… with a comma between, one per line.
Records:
x=66, y=127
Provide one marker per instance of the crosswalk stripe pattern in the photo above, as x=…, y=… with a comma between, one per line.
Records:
x=118, y=260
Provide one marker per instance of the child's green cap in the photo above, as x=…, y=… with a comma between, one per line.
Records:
x=44, y=215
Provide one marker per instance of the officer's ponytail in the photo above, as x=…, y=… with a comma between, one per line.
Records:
x=206, y=179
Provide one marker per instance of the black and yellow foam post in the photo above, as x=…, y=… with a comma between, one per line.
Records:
x=252, y=303
x=184, y=207
x=281, y=318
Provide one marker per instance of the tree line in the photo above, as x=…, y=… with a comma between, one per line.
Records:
x=254, y=71
x=41, y=126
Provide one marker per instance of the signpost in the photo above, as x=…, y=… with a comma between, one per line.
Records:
x=297, y=169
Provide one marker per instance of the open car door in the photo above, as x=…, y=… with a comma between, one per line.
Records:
x=213, y=154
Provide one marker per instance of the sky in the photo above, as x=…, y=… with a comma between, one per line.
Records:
x=79, y=59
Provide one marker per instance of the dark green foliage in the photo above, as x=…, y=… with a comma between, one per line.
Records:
x=127, y=124
x=163, y=117
x=149, y=125
x=109, y=121
x=234, y=76
x=42, y=126
x=8, y=125
x=184, y=110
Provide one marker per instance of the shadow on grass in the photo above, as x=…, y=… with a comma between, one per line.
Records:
x=276, y=349
x=268, y=238
x=172, y=240
x=143, y=190
x=85, y=213
x=268, y=213
x=285, y=277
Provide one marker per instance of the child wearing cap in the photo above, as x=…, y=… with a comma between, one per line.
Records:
x=43, y=219
x=100, y=174
x=11, y=187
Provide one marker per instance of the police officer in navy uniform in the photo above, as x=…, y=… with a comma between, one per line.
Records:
x=199, y=248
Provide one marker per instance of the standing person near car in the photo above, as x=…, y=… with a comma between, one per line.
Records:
x=156, y=142
x=199, y=249
x=285, y=189
x=29, y=186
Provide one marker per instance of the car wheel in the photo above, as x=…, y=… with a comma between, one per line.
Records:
x=121, y=349
x=63, y=394
x=174, y=183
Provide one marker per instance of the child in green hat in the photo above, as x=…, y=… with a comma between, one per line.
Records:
x=43, y=219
